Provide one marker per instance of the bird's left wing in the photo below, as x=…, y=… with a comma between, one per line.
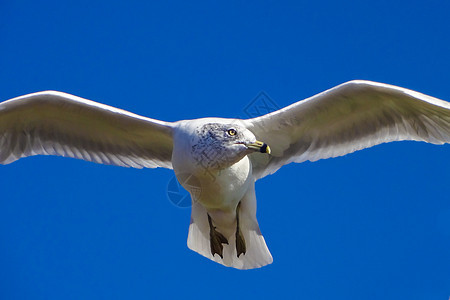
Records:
x=56, y=123
x=352, y=116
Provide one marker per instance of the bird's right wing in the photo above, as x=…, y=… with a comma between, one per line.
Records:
x=352, y=116
x=56, y=123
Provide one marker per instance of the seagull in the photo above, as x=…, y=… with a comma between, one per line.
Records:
x=218, y=160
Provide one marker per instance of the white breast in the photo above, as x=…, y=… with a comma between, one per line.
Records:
x=221, y=189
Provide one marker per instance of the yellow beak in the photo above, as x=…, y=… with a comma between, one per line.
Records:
x=259, y=146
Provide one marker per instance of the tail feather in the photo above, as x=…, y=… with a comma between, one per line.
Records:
x=257, y=254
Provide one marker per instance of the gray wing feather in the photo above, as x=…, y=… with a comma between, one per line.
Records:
x=56, y=123
x=350, y=117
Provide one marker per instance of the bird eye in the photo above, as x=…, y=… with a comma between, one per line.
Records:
x=231, y=131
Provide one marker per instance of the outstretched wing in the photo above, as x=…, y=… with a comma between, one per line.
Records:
x=56, y=123
x=350, y=117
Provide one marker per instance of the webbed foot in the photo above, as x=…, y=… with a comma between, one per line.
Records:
x=241, y=248
x=216, y=239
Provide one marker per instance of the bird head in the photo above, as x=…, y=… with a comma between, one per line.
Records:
x=217, y=145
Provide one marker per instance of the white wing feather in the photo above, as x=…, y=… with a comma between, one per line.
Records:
x=350, y=117
x=56, y=123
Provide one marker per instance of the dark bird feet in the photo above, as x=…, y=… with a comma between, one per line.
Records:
x=216, y=239
x=240, y=244
x=241, y=248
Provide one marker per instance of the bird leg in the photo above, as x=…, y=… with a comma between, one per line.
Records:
x=216, y=239
x=240, y=242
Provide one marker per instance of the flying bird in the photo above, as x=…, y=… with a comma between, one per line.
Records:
x=218, y=160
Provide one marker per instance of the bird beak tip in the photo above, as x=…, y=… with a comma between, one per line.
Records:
x=260, y=147
x=265, y=148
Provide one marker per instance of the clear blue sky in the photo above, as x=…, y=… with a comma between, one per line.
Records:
x=370, y=225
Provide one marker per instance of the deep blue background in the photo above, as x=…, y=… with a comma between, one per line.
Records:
x=370, y=225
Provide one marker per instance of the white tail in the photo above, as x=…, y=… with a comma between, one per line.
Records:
x=257, y=254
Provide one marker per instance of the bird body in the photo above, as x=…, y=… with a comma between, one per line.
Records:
x=218, y=179
x=219, y=160
x=222, y=183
